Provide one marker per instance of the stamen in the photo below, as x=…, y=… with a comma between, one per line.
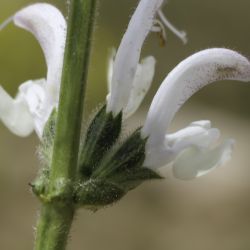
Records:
x=159, y=28
x=6, y=22
x=181, y=34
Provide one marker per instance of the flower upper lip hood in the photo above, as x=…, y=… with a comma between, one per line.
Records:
x=128, y=54
x=36, y=99
x=190, y=76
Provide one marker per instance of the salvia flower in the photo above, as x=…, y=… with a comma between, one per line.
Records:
x=193, y=149
x=111, y=164
x=32, y=106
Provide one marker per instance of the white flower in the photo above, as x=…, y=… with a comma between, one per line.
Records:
x=35, y=100
x=194, y=150
x=130, y=80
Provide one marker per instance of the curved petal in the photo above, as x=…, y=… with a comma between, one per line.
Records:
x=141, y=84
x=198, y=134
x=194, y=162
x=48, y=25
x=186, y=79
x=128, y=54
x=14, y=113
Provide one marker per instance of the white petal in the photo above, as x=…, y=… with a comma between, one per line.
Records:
x=203, y=123
x=192, y=136
x=111, y=60
x=34, y=94
x=14, y=113
x=198, y=134
x=128, y=54
x=194, y=162
x=48, y=25
x=141, y=84
x=186, y=79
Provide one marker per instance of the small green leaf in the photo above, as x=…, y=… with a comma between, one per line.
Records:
x=131, y=178
x=95, y=194
x=130, y=154
x=102, y=133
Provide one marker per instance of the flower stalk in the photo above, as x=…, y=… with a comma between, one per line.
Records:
x=58, y=207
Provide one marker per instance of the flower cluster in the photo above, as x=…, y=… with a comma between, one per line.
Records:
x=108, y=164
x=191, y=151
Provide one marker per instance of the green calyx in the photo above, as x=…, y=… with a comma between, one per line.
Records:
x=102, y=134
x=96, y=193
x=108, y=166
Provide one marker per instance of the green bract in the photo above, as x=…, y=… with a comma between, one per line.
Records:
x=108, y=166
x=101, y=135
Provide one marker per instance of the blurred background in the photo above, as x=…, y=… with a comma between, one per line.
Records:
x=208, y=213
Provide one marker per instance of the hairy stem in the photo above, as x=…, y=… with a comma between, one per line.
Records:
x=58, y=208
x=53, y=227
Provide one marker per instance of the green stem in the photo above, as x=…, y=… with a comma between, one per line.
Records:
x=53, y=228
x=72, y=90
x=58, y=207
